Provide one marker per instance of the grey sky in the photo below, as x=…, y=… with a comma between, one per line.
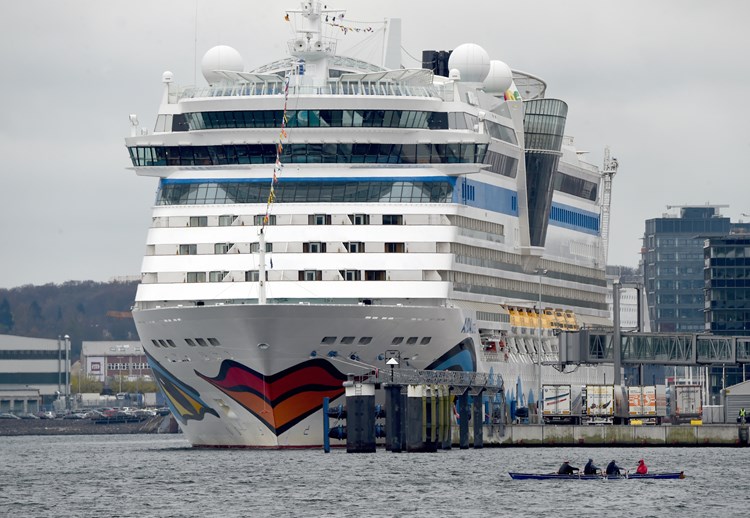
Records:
x=663, y=83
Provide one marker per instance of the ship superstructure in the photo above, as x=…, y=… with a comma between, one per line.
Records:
x=319, y=211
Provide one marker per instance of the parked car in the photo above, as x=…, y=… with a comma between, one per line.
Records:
x=45, y=415
x=9, y=416
x=74, y=415
x=29, y=416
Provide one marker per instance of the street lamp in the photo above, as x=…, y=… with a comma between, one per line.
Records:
x=67, y=371
x=539, y=402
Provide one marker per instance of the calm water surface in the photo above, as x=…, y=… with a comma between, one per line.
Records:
x=162, y=476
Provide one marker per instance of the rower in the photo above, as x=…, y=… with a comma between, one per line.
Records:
x=566, y=469
x=590, y=468
x=613, y=468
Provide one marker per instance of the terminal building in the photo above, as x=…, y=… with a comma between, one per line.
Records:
x=108, y=361
x=34, y=373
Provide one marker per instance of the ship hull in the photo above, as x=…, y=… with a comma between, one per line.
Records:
x=256, y=375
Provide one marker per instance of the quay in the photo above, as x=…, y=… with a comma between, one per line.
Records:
x=18, y=427
x=516, y=435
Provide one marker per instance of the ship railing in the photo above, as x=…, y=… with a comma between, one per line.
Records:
x=359, y=88
x=457, y=379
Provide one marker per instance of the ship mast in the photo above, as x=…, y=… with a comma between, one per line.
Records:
x=261, y=266
x=309, y=46
x=608, y=173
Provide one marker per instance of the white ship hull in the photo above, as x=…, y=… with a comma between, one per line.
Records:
x=263, y=385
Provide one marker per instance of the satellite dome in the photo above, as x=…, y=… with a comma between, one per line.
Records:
x=220, y=57
x=472, y=61
x=499, y=79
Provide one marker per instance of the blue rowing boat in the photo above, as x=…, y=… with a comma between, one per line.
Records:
x=625, y=476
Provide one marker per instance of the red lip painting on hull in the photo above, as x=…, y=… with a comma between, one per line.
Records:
x=283, y=399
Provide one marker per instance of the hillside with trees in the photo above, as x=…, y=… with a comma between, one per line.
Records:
x=85, y=310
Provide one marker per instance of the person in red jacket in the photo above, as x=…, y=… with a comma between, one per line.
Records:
x=642, y=469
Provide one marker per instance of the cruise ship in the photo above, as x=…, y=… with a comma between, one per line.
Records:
x=321, y=213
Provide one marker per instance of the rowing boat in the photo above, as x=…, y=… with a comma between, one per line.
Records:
x=631, y=476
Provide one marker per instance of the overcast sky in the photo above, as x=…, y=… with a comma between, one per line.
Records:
x=664, y=83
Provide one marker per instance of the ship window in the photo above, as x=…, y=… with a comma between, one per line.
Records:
x=319, y=219
x=397, y=340
x=156, y=344
x=255, y=247
x=217, y=276
x=226, y=220
x=393, y=219
x=365, y=340
x=374, y=275
x=425, y=340
x=394, y=248
x=360, y=219
x=163, y=343
x=188, y=249
x=352, y=275
x=347, y=340
x=328, y=340
x=171, y=343
x=198, y=221
x=214, y=341
x=196, y=276
x=201, y=342
x=411, y=340
x=313, y=248
x=258, y=219
x=222, y=248
x=354, y=247
x=311, y=275
x=190, y=342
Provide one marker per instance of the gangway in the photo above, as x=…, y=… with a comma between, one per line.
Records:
x=597, y=346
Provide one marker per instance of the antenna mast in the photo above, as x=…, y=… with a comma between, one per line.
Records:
x=608, y=173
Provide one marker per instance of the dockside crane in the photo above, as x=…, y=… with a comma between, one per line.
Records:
x=609, y=170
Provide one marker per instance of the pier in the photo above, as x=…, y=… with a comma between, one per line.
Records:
x=426, y=411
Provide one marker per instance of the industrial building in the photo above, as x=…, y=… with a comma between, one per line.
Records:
x=34, y=373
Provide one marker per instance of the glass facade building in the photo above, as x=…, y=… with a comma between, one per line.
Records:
x=672, y=256
x=727, y=281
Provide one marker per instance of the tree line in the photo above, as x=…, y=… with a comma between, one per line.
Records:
x=84, y=310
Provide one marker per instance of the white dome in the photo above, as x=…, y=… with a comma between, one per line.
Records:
x=472, y=61
x=220, y=57
x=499, y=79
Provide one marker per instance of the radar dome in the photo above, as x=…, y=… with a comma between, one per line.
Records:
x=472, y=61
x=499, y=79
x=220, y=57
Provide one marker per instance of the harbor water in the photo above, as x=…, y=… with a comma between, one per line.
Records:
x=162, y=476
